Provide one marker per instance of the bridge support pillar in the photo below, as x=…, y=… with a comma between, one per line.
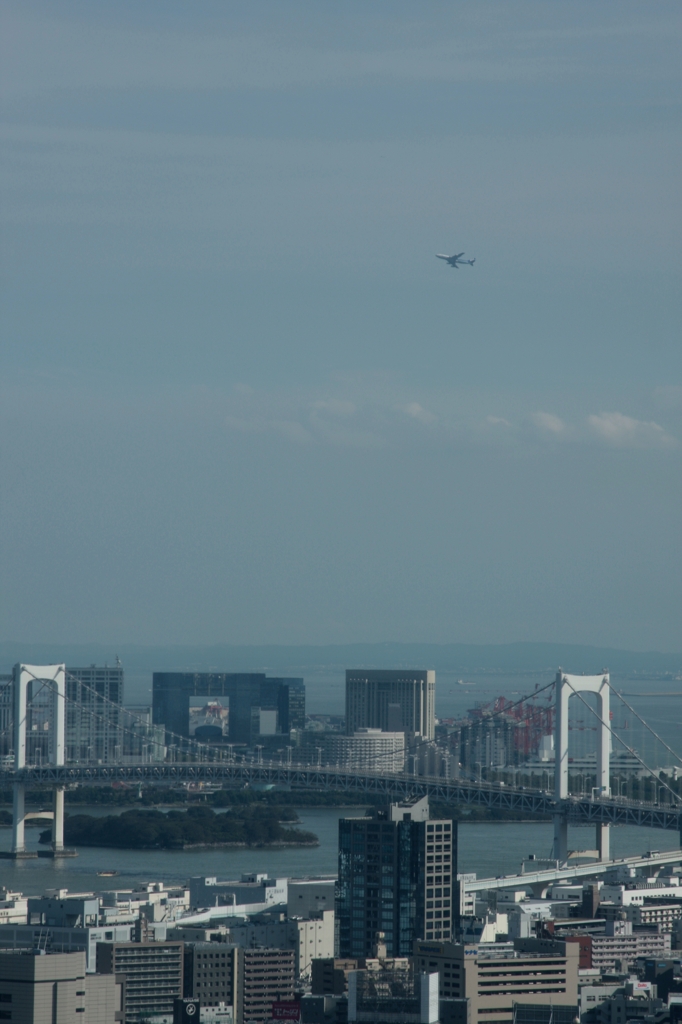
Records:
x=604, y=841
x=58, y=822
x=560, y=838
x=18, y=813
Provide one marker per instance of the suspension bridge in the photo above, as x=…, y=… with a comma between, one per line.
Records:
x=187, y=761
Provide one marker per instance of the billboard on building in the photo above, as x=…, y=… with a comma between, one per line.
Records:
x=286, y=1011
x=209, y=715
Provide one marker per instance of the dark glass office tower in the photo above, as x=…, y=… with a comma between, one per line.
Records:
x=397, y=874
x=291, y=704
x=258, y=706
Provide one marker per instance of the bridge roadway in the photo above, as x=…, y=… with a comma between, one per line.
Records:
x=540, y=881
x=609, y=810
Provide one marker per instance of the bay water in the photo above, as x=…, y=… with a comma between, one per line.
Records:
x=488, y=848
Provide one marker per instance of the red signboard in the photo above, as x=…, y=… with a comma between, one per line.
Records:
x=286, y=1011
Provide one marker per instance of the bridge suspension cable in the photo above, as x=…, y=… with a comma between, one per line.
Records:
x=630, y=750
x=646, y=725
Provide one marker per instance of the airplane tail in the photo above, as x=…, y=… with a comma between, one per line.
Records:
x=472, y=261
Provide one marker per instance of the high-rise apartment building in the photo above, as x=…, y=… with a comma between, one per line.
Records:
x=397, y=875
x=262, y=977
x=253, y=705
x=152, y=972
x=393, y=700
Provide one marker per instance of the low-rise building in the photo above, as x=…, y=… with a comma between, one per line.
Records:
x=54, y=988
x=252, y=894
x=63, y=939
x=620, y=943
x=662, y=915
x=386, y=995
x=636, y=1000
x=190, y=1011
x=153, y=899
x=544, y=1013
x=639, y=893
x=64, y=911
x=312, y=938
x=13, y=907
x=493, y=977
x=329, y=975
x=309, y=938
x=324, y=1009
x=590, y=998
x=309, y=896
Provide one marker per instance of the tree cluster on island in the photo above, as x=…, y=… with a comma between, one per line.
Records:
x=148, y=829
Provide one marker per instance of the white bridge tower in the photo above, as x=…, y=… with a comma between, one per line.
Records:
x=567, y=685
x=54, y=678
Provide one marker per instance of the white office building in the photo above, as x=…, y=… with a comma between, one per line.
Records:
x=366, y=750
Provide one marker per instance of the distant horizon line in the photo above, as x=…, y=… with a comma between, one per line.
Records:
x=335, y=643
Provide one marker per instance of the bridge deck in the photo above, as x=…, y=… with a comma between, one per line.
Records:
x=605, y=810
x=567, y=873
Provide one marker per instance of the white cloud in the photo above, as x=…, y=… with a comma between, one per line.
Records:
x=546, y=421
x=627, y=432
x=497, y=421
x=417, y=412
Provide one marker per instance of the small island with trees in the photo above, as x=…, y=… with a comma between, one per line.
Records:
x=148, y=829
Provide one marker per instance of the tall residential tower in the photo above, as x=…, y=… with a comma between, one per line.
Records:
x=397, y=875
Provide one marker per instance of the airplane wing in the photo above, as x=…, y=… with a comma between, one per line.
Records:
x=458, y=256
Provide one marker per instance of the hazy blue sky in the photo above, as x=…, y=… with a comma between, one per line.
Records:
x=241, y=400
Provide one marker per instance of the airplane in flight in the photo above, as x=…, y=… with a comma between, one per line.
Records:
x=456, y=260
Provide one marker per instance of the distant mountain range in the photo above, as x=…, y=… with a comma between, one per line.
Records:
x=279, y=658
